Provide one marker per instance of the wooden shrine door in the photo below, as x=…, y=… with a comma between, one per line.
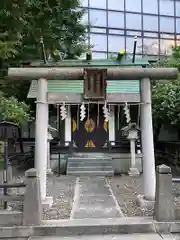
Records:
x=91, y=134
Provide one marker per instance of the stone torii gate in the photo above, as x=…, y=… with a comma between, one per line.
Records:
x=145, y=75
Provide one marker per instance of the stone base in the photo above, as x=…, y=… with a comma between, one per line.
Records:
x=49, y=171
x=47, y=202
x=145, y=203
x=133, y=172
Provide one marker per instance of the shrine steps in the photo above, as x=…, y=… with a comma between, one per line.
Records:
x=86, y=165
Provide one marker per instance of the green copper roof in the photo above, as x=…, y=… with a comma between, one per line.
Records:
x=95, y=63
x=76, y=86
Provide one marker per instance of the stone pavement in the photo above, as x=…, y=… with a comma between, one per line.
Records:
x=153, y=236
x=93, y=198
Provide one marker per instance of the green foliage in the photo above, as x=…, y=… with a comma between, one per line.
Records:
x=166, y=95
x=59, y=23
x=11, y=26
x=22, y=25
x=165, y=99
x=174, y=60
x=13, y=110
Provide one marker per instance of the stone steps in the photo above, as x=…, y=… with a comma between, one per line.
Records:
x=82, y=166
x=93, y=168
x=90, y=173
x=88, y=163
x=80, y=227
x=89, y=159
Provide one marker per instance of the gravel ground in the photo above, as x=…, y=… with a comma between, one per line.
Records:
x=127, y=188
x=62, y=190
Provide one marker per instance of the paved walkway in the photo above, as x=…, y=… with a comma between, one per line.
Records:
x=109, y=237
x=93, y=198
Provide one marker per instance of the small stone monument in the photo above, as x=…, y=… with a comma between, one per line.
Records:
x=164, y=209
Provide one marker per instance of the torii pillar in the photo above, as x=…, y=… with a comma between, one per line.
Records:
x=147, y=141
x=113, y=73
x=41, y=136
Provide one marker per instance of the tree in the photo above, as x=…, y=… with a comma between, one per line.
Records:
x=59, y=23
x=11, y=27
x=166, y=97
x=13, y=110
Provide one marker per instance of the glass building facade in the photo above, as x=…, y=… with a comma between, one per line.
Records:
x=114, y=23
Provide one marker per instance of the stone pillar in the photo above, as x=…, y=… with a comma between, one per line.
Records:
x=112, y=125
x=147, y=140
x=49, y=170
x=68, y=126
x=133, y=153
x=133, y=171
x=32, y=206
x=164, y=209
x=41, y=134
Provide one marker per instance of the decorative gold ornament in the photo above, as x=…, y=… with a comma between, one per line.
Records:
x=74, y=125
x=89, y=125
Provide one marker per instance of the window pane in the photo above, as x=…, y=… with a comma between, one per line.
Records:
x=116, y=31
x=169, y=36
x=178, y=25
x=133, y=21
x=166, y=24
x=150, y=46
x=98, y=30
x=167, y=7
x=130, y=44
x=99, y=42
x=150, y=34
x=99, y=55
x=150, y=23
x=84, y=3
x=116, y=4
x=133, y=5
x=178, y=43
x=177, y=8
x=150, y=6
x=98, y=18
x=133, y=33
x=178, y=40
x=115, y=19
x=97, y=4
x=116, y=43
x=166, y=46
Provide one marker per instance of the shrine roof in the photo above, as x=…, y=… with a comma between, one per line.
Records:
x=93, y=63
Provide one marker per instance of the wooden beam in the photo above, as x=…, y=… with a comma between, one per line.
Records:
x=113, y=73
x=77, y=98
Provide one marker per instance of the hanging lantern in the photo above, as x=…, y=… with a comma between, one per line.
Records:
x=82, y=112
x=63, y=112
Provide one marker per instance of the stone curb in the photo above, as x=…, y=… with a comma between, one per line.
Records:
x=90, y=226
x=10, y=218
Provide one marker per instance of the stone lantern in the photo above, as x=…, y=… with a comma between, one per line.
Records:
x=131, y=132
